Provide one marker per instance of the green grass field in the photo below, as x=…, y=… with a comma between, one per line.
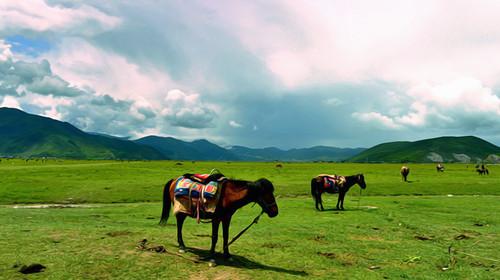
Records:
x=439, y=225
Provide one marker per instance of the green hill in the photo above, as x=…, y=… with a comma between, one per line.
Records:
x=26, y=135
x=441, y=149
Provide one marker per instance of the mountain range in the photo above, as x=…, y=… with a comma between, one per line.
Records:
x=26, y=135
x=442, y=149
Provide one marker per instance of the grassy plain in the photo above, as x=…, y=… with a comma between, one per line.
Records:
x=437, y=226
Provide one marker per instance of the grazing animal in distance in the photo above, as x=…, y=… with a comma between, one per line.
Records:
x=483, y=170
x=405, y=170
x=234, y=194
x=439, y=167
x=334, y=184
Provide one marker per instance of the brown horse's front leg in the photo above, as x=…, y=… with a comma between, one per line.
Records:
x=180, y=221
x=215, y=236
x=225, y=234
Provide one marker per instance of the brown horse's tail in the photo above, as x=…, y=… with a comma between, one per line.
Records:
x=167, y=203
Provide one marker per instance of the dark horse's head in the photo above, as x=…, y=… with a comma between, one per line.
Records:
x=360, y=179
x=263, y=190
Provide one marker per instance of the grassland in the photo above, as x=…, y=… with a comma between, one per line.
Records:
x=440, y=225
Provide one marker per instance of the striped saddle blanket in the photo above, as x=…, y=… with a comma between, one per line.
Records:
x=193, y=189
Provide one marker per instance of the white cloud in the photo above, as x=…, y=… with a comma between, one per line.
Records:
x=11, y=102
x=463, y=103
x=187, y=110
x=38, y=16
x=5, y=52
x=334, y=102
x=307, y=43
x=105, y=72
x=235, y=124
x=377, y=118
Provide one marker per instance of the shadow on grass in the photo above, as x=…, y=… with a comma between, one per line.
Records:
x=242, y=262
x=355, y=208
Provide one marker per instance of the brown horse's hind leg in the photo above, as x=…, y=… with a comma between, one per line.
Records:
x=340, y=201
x=320, y=201
x=215, y=236
x=180, y=221
x=225, y=234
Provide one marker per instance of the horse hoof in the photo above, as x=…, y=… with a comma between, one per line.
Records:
x=182, y=251
x=212, y=263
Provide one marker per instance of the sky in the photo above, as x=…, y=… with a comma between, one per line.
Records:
x=288, y=74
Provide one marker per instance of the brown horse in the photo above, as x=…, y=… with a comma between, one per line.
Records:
x=234, y=195
x=405, y=170
x=318, y=188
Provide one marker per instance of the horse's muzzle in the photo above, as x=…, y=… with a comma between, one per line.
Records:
x=272, y=212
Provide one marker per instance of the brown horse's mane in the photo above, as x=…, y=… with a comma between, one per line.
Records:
x=247, y=184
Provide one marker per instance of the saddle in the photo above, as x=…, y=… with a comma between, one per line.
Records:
x=197, y=194
x=331, y=183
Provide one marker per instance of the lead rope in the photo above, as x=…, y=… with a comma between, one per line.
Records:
x=256, y=220
x=359, y=198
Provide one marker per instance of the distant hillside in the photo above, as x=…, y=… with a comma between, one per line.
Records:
x=204, y=150
x=442, y=149
x=182, y=150
x=27, y=135
x=318, y=153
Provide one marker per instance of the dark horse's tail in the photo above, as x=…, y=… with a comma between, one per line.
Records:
x=313, y=188
x=167, y=202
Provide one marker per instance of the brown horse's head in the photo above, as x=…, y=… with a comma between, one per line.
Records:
x=360, y=179
x=265, y=198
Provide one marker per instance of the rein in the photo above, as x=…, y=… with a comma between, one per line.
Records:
x=256, y=220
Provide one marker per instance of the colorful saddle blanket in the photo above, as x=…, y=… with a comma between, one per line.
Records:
x=187, y=187
x=333, y=183
x=194, y=198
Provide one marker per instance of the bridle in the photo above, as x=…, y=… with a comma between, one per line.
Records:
x=265, y=206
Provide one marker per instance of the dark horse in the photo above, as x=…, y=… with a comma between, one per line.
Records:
x=317, y=188
x=405, y=170
x=235, y=194
x=483, y=170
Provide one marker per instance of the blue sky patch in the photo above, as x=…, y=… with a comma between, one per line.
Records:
x=28, y=46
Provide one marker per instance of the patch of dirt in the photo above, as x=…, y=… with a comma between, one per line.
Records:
x=347, y=259
x=203, y=235
x=423, y=237
x=462, y=236
x=368, y=207
x=118, y=233
x=328, y=255
x=274, y=245
x=58, y=206
x=319, y=238
x=366, y=238
x=219, y=275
